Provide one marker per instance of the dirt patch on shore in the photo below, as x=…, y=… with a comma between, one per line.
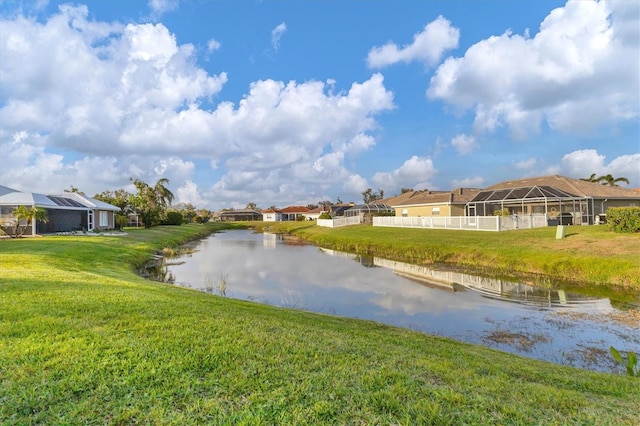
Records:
x=630, y=318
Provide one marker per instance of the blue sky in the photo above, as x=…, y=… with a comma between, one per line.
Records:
x=289, y=102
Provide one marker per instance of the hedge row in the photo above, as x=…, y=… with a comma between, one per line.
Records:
x=624, y=219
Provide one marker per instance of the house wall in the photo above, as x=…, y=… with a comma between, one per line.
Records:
x=110, y=223
x=271, y=217
x=426, y=210
x=458, y=210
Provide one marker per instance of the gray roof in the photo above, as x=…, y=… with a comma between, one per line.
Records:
x=66, y=201
x=87, y=201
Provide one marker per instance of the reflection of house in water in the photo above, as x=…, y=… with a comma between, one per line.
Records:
x=489, y=287
x=508, y=291
x=364, y=260
x=269, y=240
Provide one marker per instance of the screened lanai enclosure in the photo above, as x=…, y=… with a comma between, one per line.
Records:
x=367, y=211
x=559, y=207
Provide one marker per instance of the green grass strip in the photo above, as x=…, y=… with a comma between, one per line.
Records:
x=84, y=340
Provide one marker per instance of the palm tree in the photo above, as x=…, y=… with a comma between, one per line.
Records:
x=164, y=196
x=591, y=178
x=150, y=203
x=30, y=215
x=611, y=181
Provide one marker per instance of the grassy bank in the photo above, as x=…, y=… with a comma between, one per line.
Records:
x=85, y=340
x=590, y=255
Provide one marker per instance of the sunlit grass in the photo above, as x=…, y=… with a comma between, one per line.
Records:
x=83, y=339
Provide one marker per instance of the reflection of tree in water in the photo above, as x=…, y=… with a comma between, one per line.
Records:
x=158, y=271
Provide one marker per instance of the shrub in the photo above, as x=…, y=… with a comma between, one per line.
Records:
x=324, y=215
x=624, y=219
x=173, y=218
x=121, y=221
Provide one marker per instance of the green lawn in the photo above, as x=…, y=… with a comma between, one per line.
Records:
x=83, y=339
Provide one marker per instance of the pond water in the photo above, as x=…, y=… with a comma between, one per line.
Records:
x=556, y=325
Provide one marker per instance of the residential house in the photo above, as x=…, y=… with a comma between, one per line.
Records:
x=314, y=214
x=293, y=212
x=434, y=203
x=365, y=212
x=240, y=215
x=336, y=210
x=272, y=215
x=555, y=196
x=65, y=212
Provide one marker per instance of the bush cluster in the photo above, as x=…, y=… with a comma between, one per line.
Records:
x=173, y=218
x=624, y=219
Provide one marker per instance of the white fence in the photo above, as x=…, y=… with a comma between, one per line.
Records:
x=470, y=223
x=339, y=221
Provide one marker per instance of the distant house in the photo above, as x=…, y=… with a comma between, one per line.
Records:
x=337, y=210
x=292, y=212
x=240, y=215
x=314, y=214
x=271, y=215
x=365, y=212
x=555, y=196
x=66, y=212
x=434, y=203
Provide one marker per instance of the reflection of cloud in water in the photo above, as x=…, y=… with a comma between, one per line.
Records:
x=326, y=280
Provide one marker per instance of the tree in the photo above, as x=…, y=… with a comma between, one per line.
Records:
x=404, y=190
x=606, y=179
x=312, y=206
x=611, y=181
x=119, y=198
x=591, y=178
x=369, y=196
x=251, y=206
x=188, y=210
x=74, y=189
x=30, y=215
x=150, y=203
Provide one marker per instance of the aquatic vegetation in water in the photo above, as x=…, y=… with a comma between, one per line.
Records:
x=631, y=362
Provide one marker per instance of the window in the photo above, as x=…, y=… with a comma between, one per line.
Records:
x=405, y=212
x=435, y=211
x=104, y=219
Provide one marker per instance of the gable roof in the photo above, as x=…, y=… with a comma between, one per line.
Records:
x=68, y=200
x=457, y=196
x=569, y=185
x=87, y=201
x=399, y=199
x=295, y=209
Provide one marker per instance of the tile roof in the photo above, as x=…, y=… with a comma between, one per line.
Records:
x=457, y=196
x=572, y=186
x=295, y=209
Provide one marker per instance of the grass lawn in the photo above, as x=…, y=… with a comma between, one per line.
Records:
x=83, y=339
x=589, y=255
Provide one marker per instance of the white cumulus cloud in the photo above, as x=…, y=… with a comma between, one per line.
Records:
x=427, y=47
x=585, y=162
x=464, y=144
x=416, y=173
x=581, y=70
x=147, y=110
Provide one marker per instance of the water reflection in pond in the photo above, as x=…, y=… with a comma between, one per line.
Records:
x=551, y=324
